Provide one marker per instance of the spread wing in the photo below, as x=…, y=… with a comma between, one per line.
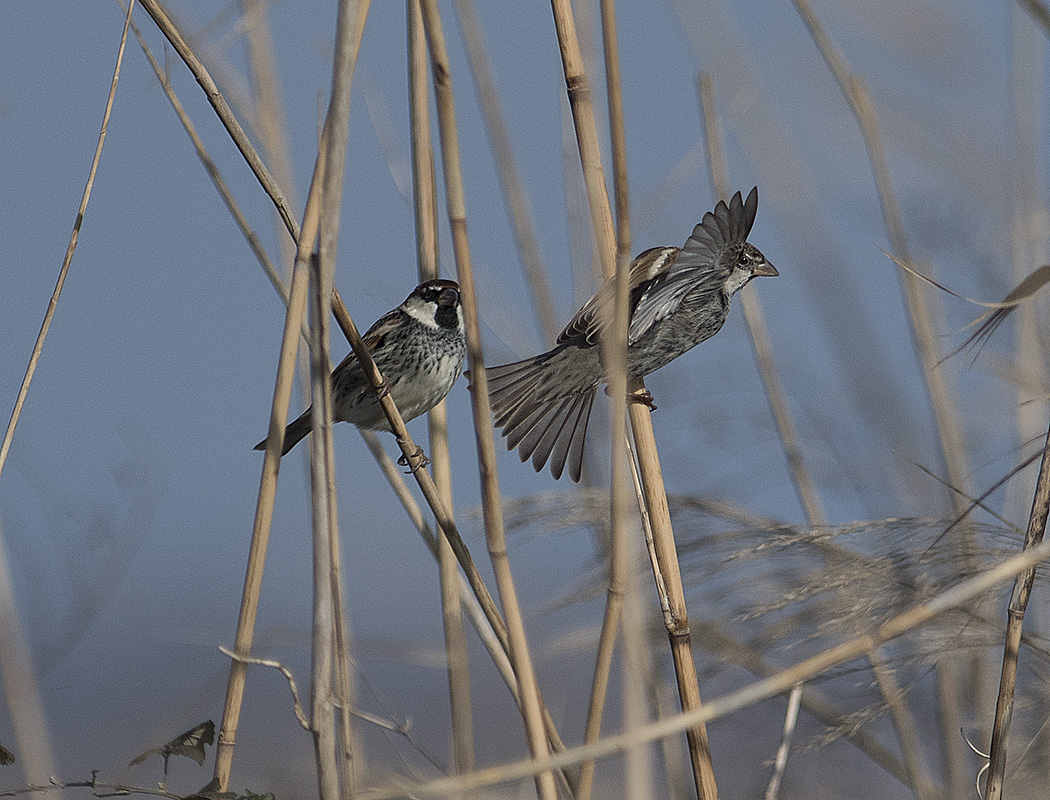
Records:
x=590, y=319
x=660, y=278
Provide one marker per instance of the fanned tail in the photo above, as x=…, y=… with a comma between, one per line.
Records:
x=536, y=414
x=293, y=434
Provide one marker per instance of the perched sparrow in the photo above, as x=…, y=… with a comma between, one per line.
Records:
x=419, y=348
x=678, y=298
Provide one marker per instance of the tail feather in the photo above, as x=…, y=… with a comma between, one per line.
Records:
x=293, y=434
x=541, y=409
x=516, y=431
x=539, y=441
x=569, y=447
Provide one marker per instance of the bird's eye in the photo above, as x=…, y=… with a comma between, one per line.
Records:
x=744, y=260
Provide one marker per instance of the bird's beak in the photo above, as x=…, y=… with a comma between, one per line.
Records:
x=448, y=297
x=765, y=270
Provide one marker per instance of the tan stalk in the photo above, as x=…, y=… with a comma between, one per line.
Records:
x=325, y=698
x=254, y=244
x=268, y=484
x=905, y=622
x=491, y=506
x=405, y=443
x=514, y=196
x=614, y=352
x=267, y=111
x=425, y=204
x=918, y=777
x=924, y=336
x=332, y=694
x=756, y=326
x=20, y=685
x=74, y=237
x=1018, y=604
x=174, y=36
x=413, y=456
x=269, y=107
x=282, y=392
x=641, y=424
x=19, y=682
x=781, y=759
x=1028, y=243
x=637, y=767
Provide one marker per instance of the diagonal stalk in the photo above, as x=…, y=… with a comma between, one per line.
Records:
x=641, y=424
x=425, y=204
x=1022, y=590
x=491, y=505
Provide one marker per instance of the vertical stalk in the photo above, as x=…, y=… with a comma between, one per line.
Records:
x=509, y=177
x=491, y=505
x=614, y=350
x=323, y=702
x=425, y=204
x=641, y=424
x=924, y=337
x=1018, y=604
x=331, y=668
x=267, y=485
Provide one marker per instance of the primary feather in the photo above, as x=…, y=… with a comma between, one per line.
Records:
x=678, y=297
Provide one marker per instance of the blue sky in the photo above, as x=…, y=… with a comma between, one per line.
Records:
x=127, y=500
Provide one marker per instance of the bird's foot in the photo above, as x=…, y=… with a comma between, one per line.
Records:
x=642, y=397
x=417, y=461
x=382, y=390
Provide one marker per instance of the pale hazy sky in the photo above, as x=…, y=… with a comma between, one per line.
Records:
x=127, y=500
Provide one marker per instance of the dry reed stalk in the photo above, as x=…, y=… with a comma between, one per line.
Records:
x=1011, y=650
x=257, y=549
x=780, y=762
x=21, y=688
x=1039, y=11
x=332, y=772
x=909, y=620
x=920, y=315
x=271, y=126
x=756, y=325
x=240, y=139
x=331, y=687
x=74, y=237
x=19, y=682
x=268, y=484
x=267, y=112
x=254, y=244
x=614, y=352
x=425, y=205
x=641, y=424
x=279, y=411
x=491, y=506
x=509, y=177
x=804, y=487
x=412, y=455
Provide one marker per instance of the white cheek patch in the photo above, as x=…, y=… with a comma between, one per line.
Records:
x=736, y=280
x=423, y=312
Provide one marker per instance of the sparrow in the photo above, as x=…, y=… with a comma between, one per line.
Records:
x=678, y=297
x=419, y=348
